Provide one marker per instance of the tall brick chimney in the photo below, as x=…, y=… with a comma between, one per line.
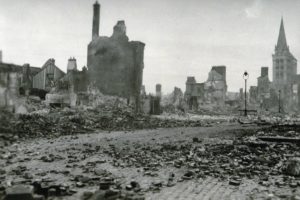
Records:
x=96, y=20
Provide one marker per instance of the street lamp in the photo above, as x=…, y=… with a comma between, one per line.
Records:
x=245, y=77
x=279, y=96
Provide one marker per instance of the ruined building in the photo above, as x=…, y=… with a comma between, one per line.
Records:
x=47, y=83
x=296, y=93
x=15, y=80
x=71, y=89
x=115, y=64
x=216, y=87
x=72, y=65
x=173, y=102
x=253, y=95
x=194, y=92
x=48, y=76
x=266, y=97
x=211, y=92
x=74, y=81
x=154, y=101
x=232, y=99
x=177, y=97
x=263, y=84
x=262, y=91
x=158, y=90
x=143, y=90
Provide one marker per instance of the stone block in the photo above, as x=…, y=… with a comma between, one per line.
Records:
x=19, y=192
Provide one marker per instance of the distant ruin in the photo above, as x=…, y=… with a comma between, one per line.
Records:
x=280, y=95
x=212, y=92
x=114, y=67
x=49, y=74
x=15, y=79
x=115, y=64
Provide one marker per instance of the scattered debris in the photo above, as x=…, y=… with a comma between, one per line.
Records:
x=293, y=167
x=57, y=121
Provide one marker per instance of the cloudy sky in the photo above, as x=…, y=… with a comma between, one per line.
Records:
x=183, y=37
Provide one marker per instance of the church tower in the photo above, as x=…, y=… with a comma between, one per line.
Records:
x=284, y=63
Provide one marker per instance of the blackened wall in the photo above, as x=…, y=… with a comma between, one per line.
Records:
x=115, y=65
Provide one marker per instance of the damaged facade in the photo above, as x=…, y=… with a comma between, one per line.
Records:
x=154, y=101
x=71, y=89
x=48, y=76
x=263, y=96
x=194, y=92
x=283, y=94
x=263, y=84
x=174, y=102
x=115, y=64
x=212, y=92
x=8, y=84
x=216, y=87
x=74, y=81
x=115, y=67
x=177, y=98
x=15, y=80
x=296, y=92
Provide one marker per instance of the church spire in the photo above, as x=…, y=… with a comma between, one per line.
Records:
x=281, y=43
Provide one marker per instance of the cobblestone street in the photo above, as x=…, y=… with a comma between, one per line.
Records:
x=67, y=157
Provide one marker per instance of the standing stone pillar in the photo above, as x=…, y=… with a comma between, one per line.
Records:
x=13, y=90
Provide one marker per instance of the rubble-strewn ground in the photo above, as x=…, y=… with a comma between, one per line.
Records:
x=221, y=161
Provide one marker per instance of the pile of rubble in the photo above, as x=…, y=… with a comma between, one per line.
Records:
x=267, y=163
x=244, y=158
x=276, y=120
x=56, y=121
x=70, y=121
x=36, y=191
x=174, y=102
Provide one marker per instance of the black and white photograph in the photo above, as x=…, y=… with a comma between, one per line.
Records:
x=149, y=100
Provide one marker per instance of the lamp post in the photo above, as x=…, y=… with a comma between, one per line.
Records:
x=279, y=96
x=245, y=77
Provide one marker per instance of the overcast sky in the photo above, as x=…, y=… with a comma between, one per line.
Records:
x=183, y=37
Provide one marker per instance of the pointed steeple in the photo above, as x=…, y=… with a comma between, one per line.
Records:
x=281, y=43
